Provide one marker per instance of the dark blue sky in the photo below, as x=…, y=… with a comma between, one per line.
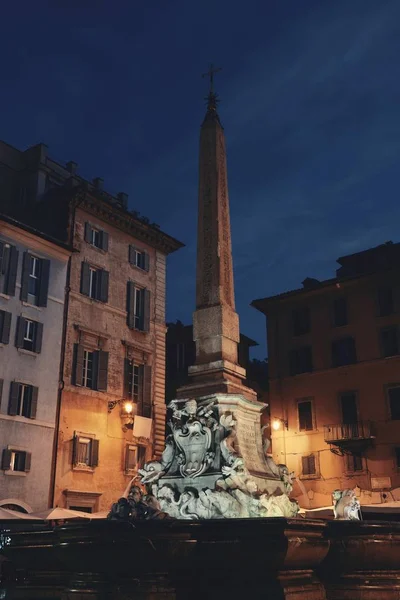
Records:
x=310, y=101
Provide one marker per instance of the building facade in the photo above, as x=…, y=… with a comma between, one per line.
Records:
x=334, y=359
x=33, y=271
x=112, y=405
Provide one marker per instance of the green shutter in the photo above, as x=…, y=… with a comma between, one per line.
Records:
x=102, y=370
x=20, y=332
x=28, y=458
x=34, y=401
x=94, y=453
x=147, y=396
x=6, y=460
x=44, y=282
x=25, y=276
x=146, y=310
x=37, y=341
x=11, y=273
x=104, y=240
x=88, y=233
x=130, y=301
x=146, y=262
x=5, y=326
x=13, y=399
x=85, y=278
x=103, y=286
x=77, y=367
x=132, y=254
x=127, y=366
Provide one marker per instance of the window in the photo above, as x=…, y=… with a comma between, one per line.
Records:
x=138, y=307
x=137, y=386
x=340, y=312
x=94, y=282
x=304, y=409
x=134, y=457
x=354, y=463
x=397, y=457
x=394, y=402
x=29, y=335
x=16, y=460
x=308, y=464
x=96, y=237
x=23, y=400
x=301, y=321
x=35, y=280
x=8, y=268
x=5, y=326
x=390, y=341
x=348, y=405
x=139, y=258
x=343, y=352
x=385, y=302
x=85, y=451
x=90, y=368
x=301, y=360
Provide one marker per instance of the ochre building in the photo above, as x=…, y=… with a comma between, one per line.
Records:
x=334, y=367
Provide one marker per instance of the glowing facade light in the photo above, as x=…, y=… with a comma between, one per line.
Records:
x=276, y=424
x=128, y=407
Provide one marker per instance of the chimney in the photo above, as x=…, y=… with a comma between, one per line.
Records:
x=72, y=167
x=98, y=183
x=123, y=198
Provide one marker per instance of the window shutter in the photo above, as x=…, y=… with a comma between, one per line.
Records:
x=37, y=346
x=132, y=254
x=147, y=399
x=131, y=304
x=75, y=441
x=19, y=336
x=77, y=368
x=25, y=276
x=308, y=465
x=34, y=401
x=141, y=456
x=28, y=458
x=6, y=460
x=104, y=240
x=13, y=400
x=104, y=277
x=146, y=310
x=5, y=326
x=11, y=280
x=1, y=389
x=88, y=233
x=102, y=371
x=127, y=366
x=94, y=453
x=44, y=283
x=85, y=278
x=146, y=262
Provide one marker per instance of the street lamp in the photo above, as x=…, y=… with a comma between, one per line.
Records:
x=126, y=411
x=276, y=424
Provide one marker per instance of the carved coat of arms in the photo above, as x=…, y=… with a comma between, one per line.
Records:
x=194, y=442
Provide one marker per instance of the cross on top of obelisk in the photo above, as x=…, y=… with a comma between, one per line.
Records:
x=212, y=98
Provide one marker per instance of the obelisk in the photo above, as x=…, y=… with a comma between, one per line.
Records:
x=215, y=321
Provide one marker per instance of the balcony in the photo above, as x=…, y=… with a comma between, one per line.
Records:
x=349, y=437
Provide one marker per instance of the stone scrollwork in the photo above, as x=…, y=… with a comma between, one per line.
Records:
x=202, y=474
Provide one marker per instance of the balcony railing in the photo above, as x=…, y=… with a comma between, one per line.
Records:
x=351, y=432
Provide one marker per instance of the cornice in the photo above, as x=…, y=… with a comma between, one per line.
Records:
x=126, y=222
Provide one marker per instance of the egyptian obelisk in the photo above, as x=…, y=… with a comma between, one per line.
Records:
x=215, y=321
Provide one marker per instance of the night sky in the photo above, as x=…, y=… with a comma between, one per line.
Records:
x=310, y=102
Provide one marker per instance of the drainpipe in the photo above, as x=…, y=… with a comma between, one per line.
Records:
x=62, y=360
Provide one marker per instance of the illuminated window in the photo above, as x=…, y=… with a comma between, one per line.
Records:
x=87, y=373
x=305, y=415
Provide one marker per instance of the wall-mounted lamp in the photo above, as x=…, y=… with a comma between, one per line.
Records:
x=126, y=411
x=277, y=423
